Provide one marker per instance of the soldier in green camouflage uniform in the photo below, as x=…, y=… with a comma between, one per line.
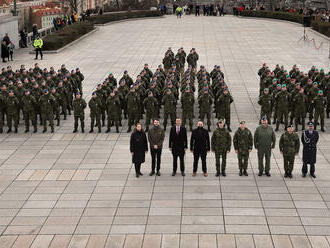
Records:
x=132, y=100
x=282, y=99
x=56, y=106
x=95, y=112
x=12, y=115
x=243, y=144
x=221, y=144
x=289, y=147
x=319, y=103
x=169, y=103
x=150, y=104
x=205, y=102
x=299, y=102
x=113, y=107
x=79, y=106
x=224, y=102
x=187, y=102
x=46, y=102
x=265, y=101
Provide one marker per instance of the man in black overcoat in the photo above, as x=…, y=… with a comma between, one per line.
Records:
x=200, y=146
x=309, y=138
x=178, y=145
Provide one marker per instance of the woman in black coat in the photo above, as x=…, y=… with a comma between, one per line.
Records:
x=138, y=148
x=4, y=51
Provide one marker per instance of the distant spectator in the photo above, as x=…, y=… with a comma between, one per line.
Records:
x=11, y=48
x=23, y=40
x=101, y=11
x=34, y=32
x=4, y=51
x=6, y=39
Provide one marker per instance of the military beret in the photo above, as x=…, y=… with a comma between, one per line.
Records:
x=78, y=93
x=264, y=118
x=94, y=93
x=221, y=121
x=266, y=89
x=125, y=72
x=110, y=73
x=206, y=89
x=315, y=83
x=287, y=76
x=320, y=92
x=278, y=85
x=322, y=69
x=285, y=71
x=187, y=88
x=242, y=122
x=215, y=66
x=150, y=92
x=283, y=85
x=275, y=80
x=168, y=90
x=132, y=86
x=26, y=90
x=11, y=91
x=289, y=126
x=77, y=69
x=218, y=66
x=310, y=123
x=45, y=90
x=53, y=88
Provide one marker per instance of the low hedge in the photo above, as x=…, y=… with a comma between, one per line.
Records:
x=72, y=32
x=65, y=36
x=117, y=16
x=321, y=27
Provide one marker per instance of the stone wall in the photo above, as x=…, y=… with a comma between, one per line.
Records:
x=9, y=24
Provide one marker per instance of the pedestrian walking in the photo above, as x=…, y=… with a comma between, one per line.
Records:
x=138, y=148
x=156, y=137
x=178, y=145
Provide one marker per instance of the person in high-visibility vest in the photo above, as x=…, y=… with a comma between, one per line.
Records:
x=178, y=12
x=38, y=43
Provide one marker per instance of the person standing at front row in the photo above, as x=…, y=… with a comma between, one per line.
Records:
x=200, y=146
x=156, y=137
x=138, y=148
x=264, y=142
x=309, y=139
x=178, y=145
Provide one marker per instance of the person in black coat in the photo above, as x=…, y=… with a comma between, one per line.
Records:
x=138, y=148
x=200, y=146
x=178, y=145
x=309, y=139
x=4, y=51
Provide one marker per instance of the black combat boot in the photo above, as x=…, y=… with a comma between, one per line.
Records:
x=229, y=129
x=16, y=130
x=35, y=129
x=108, y=130
x=99, y=130
x=9, y=130
x=91, y=131
x=129, y=129
x=245, y=173
x=26, y=130
x=45, y=130
x=209, y=128
x=82, y=129
x=217, y=174
x=52, y=130
x=277, y=126
x=58, y=122
x=74, y=130
x=1, y=130
x=117, y=130
x=240, y=172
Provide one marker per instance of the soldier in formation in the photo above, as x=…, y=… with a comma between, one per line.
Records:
x=289, y=97
x=36, y=95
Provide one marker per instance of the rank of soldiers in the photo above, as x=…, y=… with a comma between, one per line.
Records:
x=37, y=95
x=290, y=97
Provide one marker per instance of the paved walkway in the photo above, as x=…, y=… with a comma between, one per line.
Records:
x=79, y=190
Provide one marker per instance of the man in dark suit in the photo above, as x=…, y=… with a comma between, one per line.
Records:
x=178, y=144
x=200, y=146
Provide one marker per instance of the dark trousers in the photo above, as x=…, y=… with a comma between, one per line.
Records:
x=203, y=158
x=155, y=155
x=305, y=169
x=175, y=162
x=137, y=168
x=38, y=50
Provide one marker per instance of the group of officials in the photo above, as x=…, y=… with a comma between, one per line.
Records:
x=264, y=141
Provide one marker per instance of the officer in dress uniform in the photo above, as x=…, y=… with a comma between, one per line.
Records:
x=309, y=139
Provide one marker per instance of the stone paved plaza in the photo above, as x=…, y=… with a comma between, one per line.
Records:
x=79, y=190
